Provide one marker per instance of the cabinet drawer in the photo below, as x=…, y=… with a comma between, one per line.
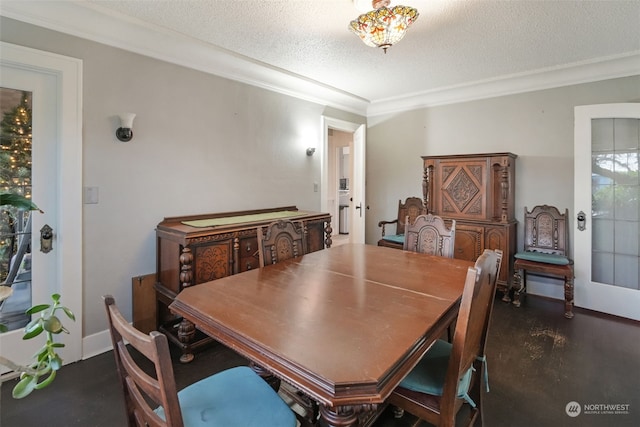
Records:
x=248, y=247
x=248, y=251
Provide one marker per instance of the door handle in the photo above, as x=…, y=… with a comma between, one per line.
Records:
x=360, y=208
x=582, y=220
x=46, y=239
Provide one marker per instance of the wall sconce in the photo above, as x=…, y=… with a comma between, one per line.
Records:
x=310, y=151
x=124, y=132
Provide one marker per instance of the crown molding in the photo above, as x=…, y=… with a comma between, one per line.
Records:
x=580, y=72
x=104, y=26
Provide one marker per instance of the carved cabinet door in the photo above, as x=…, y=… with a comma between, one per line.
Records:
x=212, y=261
x=469, y=242
x=461, y=189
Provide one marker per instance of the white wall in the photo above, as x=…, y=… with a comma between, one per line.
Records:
x=537, y=126
x=207, y=144
x=201, y=144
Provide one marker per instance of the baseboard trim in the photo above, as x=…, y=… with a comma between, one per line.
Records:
x=96, y=344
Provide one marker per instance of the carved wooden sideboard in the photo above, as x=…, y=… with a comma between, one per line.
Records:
x=478, y=191
x=200, y=248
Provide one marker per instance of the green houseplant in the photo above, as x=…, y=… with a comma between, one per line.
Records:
x=41, y=371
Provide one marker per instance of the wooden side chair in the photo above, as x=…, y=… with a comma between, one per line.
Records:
x=449, y=374
x=429, y=234
x=412, y=207
x=281, y=240
x=234, y=397
x=545, y=253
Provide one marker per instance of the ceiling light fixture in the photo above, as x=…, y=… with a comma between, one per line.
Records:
x=383, y=27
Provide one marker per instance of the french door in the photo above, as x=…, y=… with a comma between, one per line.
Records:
x=53, y=85
x=607, y=207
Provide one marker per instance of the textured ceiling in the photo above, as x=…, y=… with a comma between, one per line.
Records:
x=452, y=43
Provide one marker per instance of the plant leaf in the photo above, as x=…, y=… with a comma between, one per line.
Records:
x=24, y=387
x=32, y=324
x=47, y=381
x=69, y=313
x=18, y=201
x=56, y=363
x=34, y=333
x=41, y=354
x=37, y=308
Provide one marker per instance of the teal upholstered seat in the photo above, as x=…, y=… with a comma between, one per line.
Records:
x=235, y=397
x=412, y=207
x=545, y=253
x=395, y=238
x=429, y=375
x=442, y=381
x=542, y=257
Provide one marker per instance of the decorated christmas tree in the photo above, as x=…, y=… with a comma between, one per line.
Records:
x=15, y=170
x=15, y=148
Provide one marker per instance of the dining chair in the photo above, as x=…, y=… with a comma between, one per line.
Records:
x=236, y=397
x=449, y=374
x=411, y=208
x=546, y=239
x=281, y=240
x=429, y=234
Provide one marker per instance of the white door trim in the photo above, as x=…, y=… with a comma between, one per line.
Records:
x=605, y=298
x=68, y=74
x=345, y=126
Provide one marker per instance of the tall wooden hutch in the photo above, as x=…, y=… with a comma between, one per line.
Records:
x=478, y=191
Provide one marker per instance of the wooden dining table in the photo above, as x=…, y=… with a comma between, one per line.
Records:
x=342, y=325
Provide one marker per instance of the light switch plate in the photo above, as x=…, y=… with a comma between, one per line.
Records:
x=90, y=195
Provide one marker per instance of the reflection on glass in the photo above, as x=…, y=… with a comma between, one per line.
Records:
x=15, y=228
x=615, y=192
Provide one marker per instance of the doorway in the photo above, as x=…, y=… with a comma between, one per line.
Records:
x=343, y=179
x=55, y=85
x=340, y=178
x=607, y=206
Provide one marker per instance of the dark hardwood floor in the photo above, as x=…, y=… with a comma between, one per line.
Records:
x=538, y=363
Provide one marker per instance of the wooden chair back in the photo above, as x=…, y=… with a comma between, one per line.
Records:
x=472, y=326
x=411, y=208
x=467, y=349
x=143, y=392
x=281, y=240
x=429, y=234
x=545, y=230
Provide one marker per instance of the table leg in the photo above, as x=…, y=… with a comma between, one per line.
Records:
x=186, y=333
x=342, y=416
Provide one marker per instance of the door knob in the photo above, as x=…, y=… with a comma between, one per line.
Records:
x=46, y=239
x=582, y=220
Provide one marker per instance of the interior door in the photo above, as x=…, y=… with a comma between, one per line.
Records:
x=54, y=84
x=607, y=205
x=358, y=206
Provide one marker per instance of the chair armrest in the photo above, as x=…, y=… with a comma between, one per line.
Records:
x=383, y=223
